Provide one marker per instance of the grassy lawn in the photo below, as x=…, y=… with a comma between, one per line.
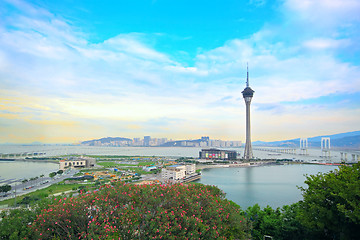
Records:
x=135, y=169
x=116, y=156
x=91, y=170
x=146, y=163
x=108, y=164
x=113, y=164
x=140, y=171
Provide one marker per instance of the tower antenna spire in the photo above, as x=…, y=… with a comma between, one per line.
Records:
x=247, y=77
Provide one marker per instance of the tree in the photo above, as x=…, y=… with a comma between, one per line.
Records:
x=5, y=188
x=53, y=174
x=14, y=224
x=28, y=199
x=331, y=203
x=281, y=223
x=264, y=222
x=60, y=172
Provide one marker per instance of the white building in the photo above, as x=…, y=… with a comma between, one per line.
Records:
x=177, y=172
x=77, y=162
x=190, y=169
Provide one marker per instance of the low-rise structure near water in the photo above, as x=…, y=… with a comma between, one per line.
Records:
x=217, y=154
x=77, y=162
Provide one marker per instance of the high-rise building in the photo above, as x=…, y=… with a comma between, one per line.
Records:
x=205, y=139
x=147, y=140
x=248, y=94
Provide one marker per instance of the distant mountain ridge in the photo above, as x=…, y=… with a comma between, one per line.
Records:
x=105, y=140
x=349, y=140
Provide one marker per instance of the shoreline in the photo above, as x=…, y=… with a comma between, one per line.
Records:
x=241, y=165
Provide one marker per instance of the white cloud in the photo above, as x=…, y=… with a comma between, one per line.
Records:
x=124, y=79
x=325, y=13
x=128, y=44
x=325, y=43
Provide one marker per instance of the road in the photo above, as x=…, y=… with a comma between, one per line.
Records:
x=40, y=183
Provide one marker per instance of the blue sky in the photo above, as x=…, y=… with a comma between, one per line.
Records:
x=76, y=70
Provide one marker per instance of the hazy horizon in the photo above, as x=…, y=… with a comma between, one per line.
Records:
x=74, y=71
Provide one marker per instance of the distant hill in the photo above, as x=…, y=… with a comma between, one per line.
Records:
x=341, y=140
x=104, y=140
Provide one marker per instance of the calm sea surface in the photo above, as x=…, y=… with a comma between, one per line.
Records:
x=25, y=170
x=266, y=185
x=53, y=150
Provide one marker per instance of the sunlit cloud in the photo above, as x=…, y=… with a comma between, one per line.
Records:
x=56, y=83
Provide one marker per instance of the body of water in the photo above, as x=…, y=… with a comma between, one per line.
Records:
x=57, y=150
x=18, y=170
x=273, y=185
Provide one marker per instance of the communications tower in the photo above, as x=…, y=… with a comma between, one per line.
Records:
x=247, y=95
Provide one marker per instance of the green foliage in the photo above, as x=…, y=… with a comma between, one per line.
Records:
x=108, y=164
x=52, y=174
x=5, y=188
x=30, y=199
x=279, y=223
x=60, y=172
x=14, y=224
x=264, y=222
x=331, y=205
x=97, y=183
x=124, y=211
x=146, y=163
x=114, y=164
x=291, y=227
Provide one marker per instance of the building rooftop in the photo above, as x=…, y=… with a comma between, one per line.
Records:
x=177, y=165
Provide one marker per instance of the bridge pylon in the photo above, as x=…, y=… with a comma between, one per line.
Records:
x=303, y=146
x=325, y=147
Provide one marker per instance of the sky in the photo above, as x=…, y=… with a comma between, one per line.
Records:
x=75, y=70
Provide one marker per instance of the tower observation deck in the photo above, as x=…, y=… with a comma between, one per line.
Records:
x=247, y=95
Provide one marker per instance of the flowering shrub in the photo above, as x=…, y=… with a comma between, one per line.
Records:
x=125, y=211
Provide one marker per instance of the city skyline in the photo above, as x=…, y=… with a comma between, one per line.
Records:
x=71, y=71
x=148, y=141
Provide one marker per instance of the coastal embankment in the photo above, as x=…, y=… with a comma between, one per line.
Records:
x=247, y=164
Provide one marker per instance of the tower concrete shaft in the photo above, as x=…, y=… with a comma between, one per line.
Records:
x=248, y=94
x=248, y=154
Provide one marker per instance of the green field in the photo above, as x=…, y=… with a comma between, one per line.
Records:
x=113, y=164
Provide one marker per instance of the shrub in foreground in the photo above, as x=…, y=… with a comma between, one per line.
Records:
x=125, y=211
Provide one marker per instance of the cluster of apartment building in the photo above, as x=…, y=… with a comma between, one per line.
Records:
x=148, y=141
x=135, y=142
x=211, y=143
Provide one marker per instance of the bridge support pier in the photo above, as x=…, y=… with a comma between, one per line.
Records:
x=325, y=147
